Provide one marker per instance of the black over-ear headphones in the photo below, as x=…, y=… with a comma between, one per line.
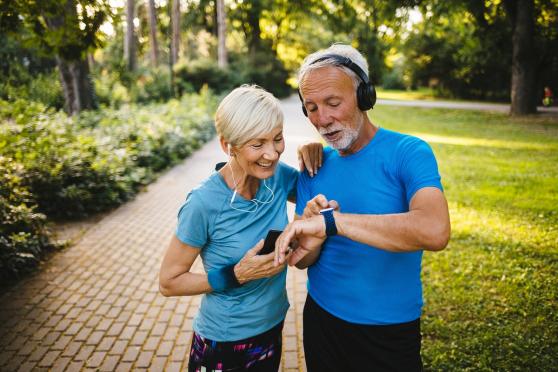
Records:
x=366, y=93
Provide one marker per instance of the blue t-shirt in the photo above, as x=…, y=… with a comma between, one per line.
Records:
x=207, y=221
x=357, y=282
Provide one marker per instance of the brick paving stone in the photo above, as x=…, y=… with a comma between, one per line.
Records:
x=72, y=349
x=174, y=367
x=115, y=329
x=38, y=354
x=131, y=354
x=75, y=366
x=184, y=338
x=84, y=353
x=151, y=343
x=95, y=338
x=27, y=366
x=139, y=338
x=53, y=320
x=5, y=356
x=158, y=364
x=290, y=360
x=106, y=343
x=61, y=343
x=13, y=364
x=60, y=364
x=83, y=334
x=144, y=359
x=165, y=348
x=96, y=359
x=103, y=325
x=110, y=363
x=73, y=329
x=49, y=359
x=159, y=329
x=40, y=334
x=119, y=347
x=27, y=349
x=124, y=367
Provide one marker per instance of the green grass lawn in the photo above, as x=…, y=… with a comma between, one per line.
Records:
x=491, y=298
x=421, y=93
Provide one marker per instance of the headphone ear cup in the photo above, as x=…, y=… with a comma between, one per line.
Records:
x=302, y=102
x=366, y=96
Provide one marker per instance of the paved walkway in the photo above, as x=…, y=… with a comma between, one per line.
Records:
x=96, y=305
x=481, y=106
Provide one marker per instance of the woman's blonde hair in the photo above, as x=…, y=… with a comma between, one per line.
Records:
x=247, y=112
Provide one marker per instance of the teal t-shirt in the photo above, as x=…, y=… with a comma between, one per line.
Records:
x=207, y=221
x=354, y=281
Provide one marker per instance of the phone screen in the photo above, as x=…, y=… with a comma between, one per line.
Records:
x=269, y=243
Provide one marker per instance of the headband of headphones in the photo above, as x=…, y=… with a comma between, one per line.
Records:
x=347, y=62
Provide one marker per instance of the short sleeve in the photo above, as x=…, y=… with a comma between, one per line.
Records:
x=303, y=192
x=291, y=175
x=192, y=228
x=418, y=167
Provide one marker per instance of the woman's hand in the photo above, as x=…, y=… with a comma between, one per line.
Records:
x=253, y=266
x=316, y=204
x=310, y=157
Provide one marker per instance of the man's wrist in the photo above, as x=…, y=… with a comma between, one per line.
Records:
x=329, y=220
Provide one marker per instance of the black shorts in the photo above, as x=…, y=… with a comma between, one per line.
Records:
x=332, y=344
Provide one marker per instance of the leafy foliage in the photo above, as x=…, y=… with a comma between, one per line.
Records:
x=63, y=167
x=23, y=237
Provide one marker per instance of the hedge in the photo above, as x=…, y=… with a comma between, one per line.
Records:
x=55, y=167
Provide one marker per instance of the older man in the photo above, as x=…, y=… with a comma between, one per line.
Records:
x=364, y=252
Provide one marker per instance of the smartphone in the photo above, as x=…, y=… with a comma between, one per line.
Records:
x=269, y=243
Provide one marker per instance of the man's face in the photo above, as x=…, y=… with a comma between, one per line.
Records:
x=330, y=99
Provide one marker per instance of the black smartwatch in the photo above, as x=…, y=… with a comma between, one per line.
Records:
x=331, y=228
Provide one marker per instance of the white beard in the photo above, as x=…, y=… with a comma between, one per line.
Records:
x=348, y=136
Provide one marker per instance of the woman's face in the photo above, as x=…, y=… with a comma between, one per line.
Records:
x=259, y=156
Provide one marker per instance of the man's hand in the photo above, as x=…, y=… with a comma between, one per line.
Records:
x=316, y=204
x=310, y=234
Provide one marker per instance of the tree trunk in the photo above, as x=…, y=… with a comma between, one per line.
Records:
x=79, y=93
x=153, y=32
x=129, y=38
x=523, y=97
x=175, y=20
x=254, y=39
x=222, y=34
x=77, y=87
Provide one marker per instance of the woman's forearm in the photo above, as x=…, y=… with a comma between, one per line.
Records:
x=186, y=284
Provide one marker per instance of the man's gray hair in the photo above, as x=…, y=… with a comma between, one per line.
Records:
x=343, y=50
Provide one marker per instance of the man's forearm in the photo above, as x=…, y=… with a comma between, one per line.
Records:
x=402, y=232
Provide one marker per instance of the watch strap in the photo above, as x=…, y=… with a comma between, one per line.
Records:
x=331, y=228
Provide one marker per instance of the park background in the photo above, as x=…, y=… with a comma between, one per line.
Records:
x=100, y=98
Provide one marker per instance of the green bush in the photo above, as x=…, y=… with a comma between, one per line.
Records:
x=23, y=237
x=197, y=73
x=59, y=167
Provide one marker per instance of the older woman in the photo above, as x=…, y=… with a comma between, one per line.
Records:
x=225, y=220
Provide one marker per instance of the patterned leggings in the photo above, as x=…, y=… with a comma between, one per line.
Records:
x=261, y=353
